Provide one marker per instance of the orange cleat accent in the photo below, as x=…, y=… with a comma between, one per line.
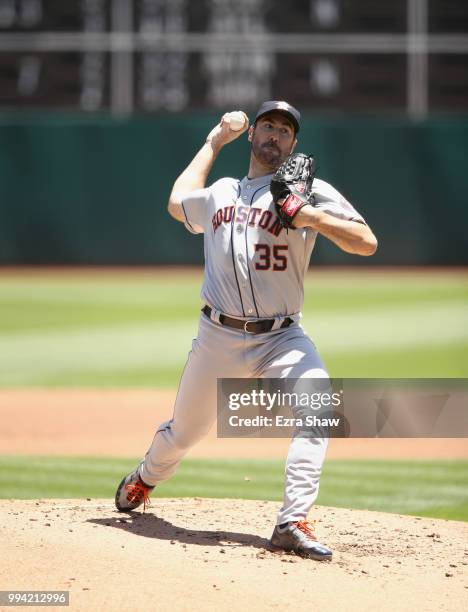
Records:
x=132, y=492
x=307, y=528
x=138, y=492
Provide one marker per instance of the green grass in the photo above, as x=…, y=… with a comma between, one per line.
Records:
x=423, y=488
x=135, y=329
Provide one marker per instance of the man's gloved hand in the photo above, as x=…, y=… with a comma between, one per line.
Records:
x=292, y=183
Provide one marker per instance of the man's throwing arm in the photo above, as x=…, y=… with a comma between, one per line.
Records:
x=196, y=173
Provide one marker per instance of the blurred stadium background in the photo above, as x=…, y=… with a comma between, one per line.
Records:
x=103, y=102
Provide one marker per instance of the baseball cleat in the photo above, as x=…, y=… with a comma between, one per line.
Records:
x=299, y=537
x=132, y=492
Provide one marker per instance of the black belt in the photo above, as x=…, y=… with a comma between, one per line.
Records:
x=251, y=326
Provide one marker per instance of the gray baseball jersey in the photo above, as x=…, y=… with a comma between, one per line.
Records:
x=253, y=266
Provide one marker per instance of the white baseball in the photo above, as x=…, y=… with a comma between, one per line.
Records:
x=236, y=121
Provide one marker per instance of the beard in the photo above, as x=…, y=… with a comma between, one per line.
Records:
x=269, y=155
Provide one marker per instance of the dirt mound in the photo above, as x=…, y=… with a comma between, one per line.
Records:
x=186, y=554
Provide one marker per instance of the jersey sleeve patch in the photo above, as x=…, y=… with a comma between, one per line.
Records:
x=330, y=200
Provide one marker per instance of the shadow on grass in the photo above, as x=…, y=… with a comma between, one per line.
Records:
x=150, y=526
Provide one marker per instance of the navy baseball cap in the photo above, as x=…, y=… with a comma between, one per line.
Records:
x=282, y=107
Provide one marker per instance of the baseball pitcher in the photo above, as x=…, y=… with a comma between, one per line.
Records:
x=259, y=233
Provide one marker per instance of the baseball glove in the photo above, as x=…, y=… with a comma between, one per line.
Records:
x=293, y=182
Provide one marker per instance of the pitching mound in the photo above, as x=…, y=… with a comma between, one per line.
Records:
x=186, y=554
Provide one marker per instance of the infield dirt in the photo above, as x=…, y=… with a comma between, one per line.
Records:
x=187, y=554
x=122, y=422
x=203, y=554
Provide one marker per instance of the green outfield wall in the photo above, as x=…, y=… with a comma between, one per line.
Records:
x=81, y=190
